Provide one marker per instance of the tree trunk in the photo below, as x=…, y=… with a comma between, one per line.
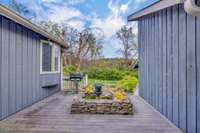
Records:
x=78, y=57
x=78, y=65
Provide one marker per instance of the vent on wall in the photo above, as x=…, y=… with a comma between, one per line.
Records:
x=50, y=87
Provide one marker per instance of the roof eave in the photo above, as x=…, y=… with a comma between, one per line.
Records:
x=162, y=4
x=4, y=11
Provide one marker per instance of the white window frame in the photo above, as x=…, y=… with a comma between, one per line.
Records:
x=59, y=61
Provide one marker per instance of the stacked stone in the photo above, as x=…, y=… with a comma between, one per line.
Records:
x=83, y=106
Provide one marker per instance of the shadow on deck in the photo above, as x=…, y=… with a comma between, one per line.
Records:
x=52, y=115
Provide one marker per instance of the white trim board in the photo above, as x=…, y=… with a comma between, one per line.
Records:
x=50, y=72
x=162, y=4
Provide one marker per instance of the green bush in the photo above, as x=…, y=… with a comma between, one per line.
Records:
x=132, y=73
x=128, y=84
x=104, y=74
x=68, y=69
x=108, y=74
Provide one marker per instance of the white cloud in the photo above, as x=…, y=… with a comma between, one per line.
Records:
x=109, y=25
x=78, y=24
x=124, y=8
x=113, y=22
x=57, y=11
x=64, y=2
x=62, y=14
x=49, y=0
x=66, y=15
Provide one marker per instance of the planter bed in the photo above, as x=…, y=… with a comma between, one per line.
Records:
x=101, y=106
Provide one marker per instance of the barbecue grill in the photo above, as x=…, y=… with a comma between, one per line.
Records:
x=75, y=77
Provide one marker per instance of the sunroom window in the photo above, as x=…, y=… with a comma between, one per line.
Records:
x=50, y=57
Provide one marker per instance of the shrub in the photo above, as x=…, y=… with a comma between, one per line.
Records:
x=109, y=74
x=104, y=74
x=132, y=73
x=128, y=84
x=68, y=69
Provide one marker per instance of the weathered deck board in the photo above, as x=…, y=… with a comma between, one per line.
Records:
x=52, y=116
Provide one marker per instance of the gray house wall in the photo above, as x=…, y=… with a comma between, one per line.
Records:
x=169, y=57
x=20, y=81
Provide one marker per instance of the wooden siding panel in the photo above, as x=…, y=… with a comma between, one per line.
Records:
x=182, y=69
x=37, y=72
x=198, y=72
x=169, y=64
x=141, y=58
x=147, y=57
x=156, y=60
x=175, y=90
x=143, y=51
x=29, y=67
x=0, y=66
x=24, y=67
x=139, y=52
x=160, y=63
x=12, y=73
x=175, y=51
x=4, y=66
x=150, y=60
x=191, y=75
x=20, y=69
x=33, y=66
x=164, y=62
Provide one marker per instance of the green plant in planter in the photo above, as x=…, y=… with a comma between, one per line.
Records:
x=128, y=84
x=106, y=97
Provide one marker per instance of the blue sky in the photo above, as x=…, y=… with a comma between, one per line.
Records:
x=109, y=15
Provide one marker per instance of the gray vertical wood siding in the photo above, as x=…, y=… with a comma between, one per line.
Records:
x=169, y=54
x=20, y=81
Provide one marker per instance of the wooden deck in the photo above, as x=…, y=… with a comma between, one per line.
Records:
x=52, y=116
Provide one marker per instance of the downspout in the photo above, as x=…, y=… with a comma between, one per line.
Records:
x=191, y=7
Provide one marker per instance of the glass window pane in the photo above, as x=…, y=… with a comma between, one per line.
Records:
x=46, y=57
x=56, y=64
x=56, y=58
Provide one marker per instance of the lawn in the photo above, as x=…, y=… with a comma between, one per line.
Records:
x=104, y=82
x=93, y=82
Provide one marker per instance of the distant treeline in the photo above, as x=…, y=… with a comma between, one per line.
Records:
x=115, y=63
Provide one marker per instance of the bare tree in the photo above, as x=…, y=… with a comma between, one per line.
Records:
x=86, y=44
x=129, y=48
x=89, y=46
x=52, y=28
x=71, y=36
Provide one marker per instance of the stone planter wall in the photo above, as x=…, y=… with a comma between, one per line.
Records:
x=101, y=107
